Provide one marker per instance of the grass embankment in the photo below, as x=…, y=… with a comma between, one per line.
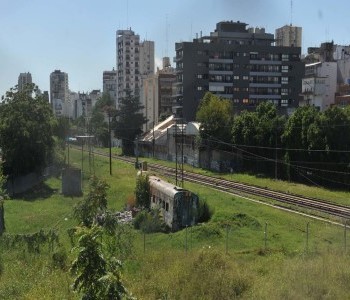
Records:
x=335, y=196
x=222, y=259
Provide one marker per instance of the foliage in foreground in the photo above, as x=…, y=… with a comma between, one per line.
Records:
x=93, y=204
x=209, y=274
x=96, y=276
x=97, y=273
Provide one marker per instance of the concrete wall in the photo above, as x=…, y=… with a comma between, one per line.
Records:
x=71, y=182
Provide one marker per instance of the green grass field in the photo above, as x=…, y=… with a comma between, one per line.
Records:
x=226, y=258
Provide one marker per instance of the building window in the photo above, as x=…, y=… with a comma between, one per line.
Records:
x=199, y=88
x=284, y=92
x=284, y=80
x=236, y=89
x=236, y=100
x=285, y=69
x=245, y=77
x=236, y=77
x=245, y=101
x=285, y=57
x=200, y=76
x=284, y=102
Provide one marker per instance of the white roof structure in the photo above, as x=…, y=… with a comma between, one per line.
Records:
x=168, y=126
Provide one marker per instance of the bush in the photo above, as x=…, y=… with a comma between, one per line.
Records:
x=204, y=211
x=150, y=222
x=1, y=266
x=59, y=259
x=142, y=192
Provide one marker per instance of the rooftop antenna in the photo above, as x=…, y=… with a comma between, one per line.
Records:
x=166, y=35
x=291, y=12
x=191, y=32
x=127, y=14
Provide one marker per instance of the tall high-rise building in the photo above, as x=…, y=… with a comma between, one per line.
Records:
x=238, y=64
x=110, y=84
x=166, y=80
x=23, y=79
x=149, y=99
x=59, y=93
x=134, y=58
x=288, y=36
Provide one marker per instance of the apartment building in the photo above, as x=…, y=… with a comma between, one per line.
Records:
x=23, y=79
x=134, y=59
x=239, y=64
x=288, y=36
x=59, y=93
x=109, y=82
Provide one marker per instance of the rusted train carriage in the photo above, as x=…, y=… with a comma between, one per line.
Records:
x=178, y=206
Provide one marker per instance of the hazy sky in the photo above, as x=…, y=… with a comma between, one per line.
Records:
x=78, y=36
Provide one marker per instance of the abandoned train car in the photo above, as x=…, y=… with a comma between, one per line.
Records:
x=178, y=206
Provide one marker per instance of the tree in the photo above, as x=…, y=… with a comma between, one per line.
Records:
x=142, y=192
x=300, y=132
x=3, y=195
x=215, y=116
x=263, y=128
x=62, y=128
x=97, y=273
x=128, y=122
x=26, y=131
x=98, y=125
x=94, y=203
x=90, y=264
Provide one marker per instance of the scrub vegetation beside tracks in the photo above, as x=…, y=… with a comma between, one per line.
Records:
x=226, y=258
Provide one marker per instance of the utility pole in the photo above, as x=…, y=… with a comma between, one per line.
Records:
x=110, y=143
x=276, y=154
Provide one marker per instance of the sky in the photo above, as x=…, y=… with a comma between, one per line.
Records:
x=78, y=36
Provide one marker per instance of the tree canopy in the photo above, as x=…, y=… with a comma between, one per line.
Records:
x=215, y=116
x=128, y=122
x=26, y=131
x=104, y=108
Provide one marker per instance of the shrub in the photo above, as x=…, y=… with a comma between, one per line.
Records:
x=150, y=222
x=1, y=266
x=142, y=192
x=59, y=259
x=204, y=211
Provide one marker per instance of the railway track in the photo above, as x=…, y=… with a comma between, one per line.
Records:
x=220, y=184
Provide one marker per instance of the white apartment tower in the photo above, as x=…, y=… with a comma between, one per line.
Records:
x=23, y=79
x=134, y=58
x=288, y=36
x=59, y=93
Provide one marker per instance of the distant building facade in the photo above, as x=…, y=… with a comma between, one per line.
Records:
x=238, y=64
x=134, y=58
x=23, y=79
x=59, y=93
x=289, y=36
x=149, y=99
x=110, y=84
x=319, y=85
x=166, y=81
x=156, y=94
